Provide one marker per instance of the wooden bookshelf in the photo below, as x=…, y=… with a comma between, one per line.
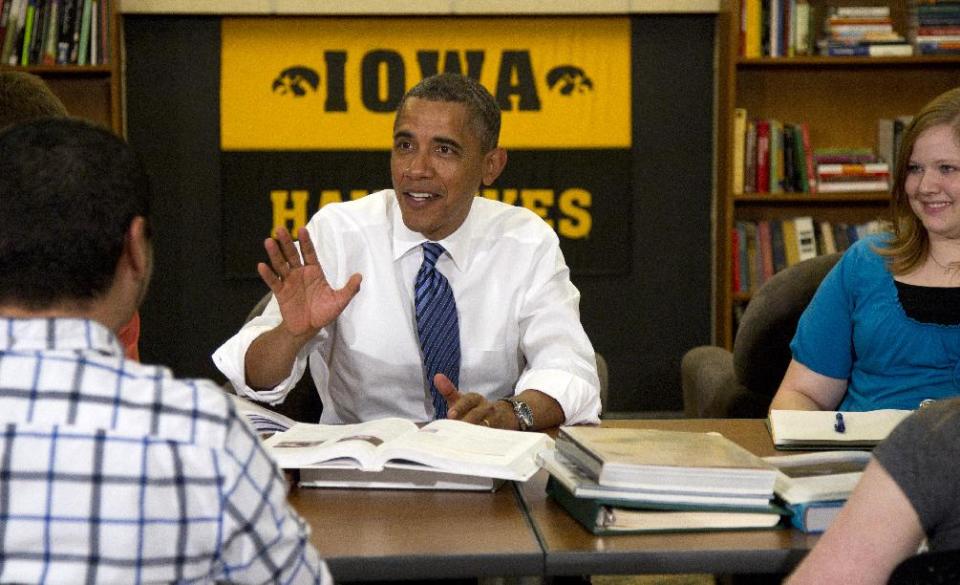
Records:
x=93, y=92
x=840, y=98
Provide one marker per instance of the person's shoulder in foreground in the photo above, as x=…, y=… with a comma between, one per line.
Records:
x=918, y=455
x=157, y=452
x=114, y=471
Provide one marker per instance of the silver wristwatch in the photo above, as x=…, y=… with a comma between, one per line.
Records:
x=523, y=412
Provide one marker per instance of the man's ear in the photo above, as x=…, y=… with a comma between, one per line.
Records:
x=137, y=246
x=493, y=164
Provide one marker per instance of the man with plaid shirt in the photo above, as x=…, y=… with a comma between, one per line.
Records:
x=112, y=471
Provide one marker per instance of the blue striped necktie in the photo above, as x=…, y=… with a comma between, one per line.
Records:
x=437, y=325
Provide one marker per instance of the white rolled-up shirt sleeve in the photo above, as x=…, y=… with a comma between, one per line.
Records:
x=561, y=361
x=230, y=358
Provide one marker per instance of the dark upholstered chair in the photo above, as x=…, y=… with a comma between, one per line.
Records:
x=929, y=568
x=720, y=384
x=258, y=309
x=604, y=374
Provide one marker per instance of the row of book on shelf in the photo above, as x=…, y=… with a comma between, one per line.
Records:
x=611, y=480
x=789, y=28
x=775, y=157
x=55, y=32
x=763, y=248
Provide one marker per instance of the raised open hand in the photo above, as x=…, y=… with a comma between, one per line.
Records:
x=307, y=301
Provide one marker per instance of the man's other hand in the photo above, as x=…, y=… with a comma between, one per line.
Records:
x=473, y=408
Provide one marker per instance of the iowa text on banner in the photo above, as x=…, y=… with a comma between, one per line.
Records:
x=334, y=84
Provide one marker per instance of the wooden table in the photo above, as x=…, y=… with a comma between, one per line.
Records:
x=382, y=534
x=572, y=550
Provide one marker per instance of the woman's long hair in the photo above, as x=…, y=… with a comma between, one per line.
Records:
x=910, y=244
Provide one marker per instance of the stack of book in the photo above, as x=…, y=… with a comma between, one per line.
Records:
x=846, y=177
x=762, y=248
x=845, y=170
x=815, y=486
x=935, y=27
x=55, y=32
x=862, y=31
x=618, y=480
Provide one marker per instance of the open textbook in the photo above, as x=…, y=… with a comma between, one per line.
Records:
x=448, y=446
x=819, y=429
x=263, y=420
x=395, y=478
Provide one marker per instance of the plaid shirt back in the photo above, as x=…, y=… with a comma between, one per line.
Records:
x=116, y=472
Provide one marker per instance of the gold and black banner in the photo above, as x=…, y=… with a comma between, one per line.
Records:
x=307, y=108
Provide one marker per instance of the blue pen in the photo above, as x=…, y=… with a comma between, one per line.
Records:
x=840, y=426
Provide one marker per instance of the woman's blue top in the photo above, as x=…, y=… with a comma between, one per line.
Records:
x=856, y=329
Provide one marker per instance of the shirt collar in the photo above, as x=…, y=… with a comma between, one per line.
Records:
x=57, y=334
x=458, y=244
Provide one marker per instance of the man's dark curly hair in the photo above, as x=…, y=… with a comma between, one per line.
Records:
x=68, y=192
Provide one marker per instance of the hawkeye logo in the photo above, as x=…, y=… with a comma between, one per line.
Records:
x=567, y=79
x=296, y=80
x=383, y=78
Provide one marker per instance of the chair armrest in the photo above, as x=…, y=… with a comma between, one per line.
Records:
x=706, y=375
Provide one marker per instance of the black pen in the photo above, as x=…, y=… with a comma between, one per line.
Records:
x=840, y=426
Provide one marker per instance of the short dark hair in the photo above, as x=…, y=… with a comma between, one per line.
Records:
x=68, y=192
x=25, y=97
x=453, y=87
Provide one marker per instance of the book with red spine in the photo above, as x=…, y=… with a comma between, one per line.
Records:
x=879, y=168
x=763, y=156
x=765, y=241
x=808, y=157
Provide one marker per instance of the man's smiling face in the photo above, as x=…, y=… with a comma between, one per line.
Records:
x=437, y=164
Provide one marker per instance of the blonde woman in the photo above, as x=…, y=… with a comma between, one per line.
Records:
x=911, y=490
x=883, y=330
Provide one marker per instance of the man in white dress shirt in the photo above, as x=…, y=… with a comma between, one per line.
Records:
x=525, y=361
